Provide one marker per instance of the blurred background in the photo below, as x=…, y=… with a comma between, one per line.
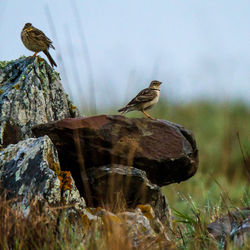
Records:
x=199, y=49
x=108, y=50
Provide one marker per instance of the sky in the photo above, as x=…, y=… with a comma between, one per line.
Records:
x=108, y=50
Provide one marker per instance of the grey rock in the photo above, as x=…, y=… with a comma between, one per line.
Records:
x=234, y=226
x=30, y=170
x=241, y=234
x=30, y=93
x=140, y=230
x=138, y=227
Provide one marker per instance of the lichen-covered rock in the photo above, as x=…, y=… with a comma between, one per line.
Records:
x=112, y=184
x=30, y=170
x=134, y=226
x=141, y=229
x=30, y=93
x=166, y=151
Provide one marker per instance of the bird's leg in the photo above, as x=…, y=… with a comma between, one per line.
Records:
x=35, y=54
x=146, y=114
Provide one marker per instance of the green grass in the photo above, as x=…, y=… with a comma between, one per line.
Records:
x=221, y=166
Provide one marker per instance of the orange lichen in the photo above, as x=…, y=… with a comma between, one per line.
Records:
x=63, y=176
x=65, y=180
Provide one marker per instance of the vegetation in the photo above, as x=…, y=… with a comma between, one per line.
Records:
x=222, y=133
x=220, y=185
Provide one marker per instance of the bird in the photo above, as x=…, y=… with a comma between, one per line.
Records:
x=144, y=100
x=36, y=41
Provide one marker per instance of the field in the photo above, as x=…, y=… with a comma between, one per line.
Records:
x=221, y=131
x=220, y=184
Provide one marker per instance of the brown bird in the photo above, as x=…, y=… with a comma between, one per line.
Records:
x=144, y=100
x=35, y=40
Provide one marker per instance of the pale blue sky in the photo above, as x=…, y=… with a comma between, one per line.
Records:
x=199, y=49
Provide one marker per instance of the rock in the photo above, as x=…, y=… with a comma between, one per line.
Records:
x=112, y=184
x=136, y=229
x=234, y=226
x=30, y=170
x=145, y=232
x=165, y=151
x=30, y=93
x=241, y=234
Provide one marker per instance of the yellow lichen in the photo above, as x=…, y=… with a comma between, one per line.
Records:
x=17, y=86
x=85, y=220
x=55, y=167
x=71, y=106
x=147, y=211
x=63, y=176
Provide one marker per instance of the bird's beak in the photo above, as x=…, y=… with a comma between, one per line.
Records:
x=160, y=83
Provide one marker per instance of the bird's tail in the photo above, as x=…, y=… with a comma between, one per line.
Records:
x=52, y=62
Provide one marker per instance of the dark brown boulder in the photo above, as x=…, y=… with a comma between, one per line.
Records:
x=114, y=184
x=165, y=151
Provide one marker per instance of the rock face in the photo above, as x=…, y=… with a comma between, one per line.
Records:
x=165, y=151
x=30, y=170
x=112, y=183
x=30, y=93
x=140, y=227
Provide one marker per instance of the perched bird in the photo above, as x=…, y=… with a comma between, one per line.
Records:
x=144, y=100
x=35, y=40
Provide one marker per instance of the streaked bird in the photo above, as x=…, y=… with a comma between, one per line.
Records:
x=145, y=99
x=36, y=41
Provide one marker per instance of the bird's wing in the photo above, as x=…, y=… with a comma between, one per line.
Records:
x=146, y=95
x=39, y=36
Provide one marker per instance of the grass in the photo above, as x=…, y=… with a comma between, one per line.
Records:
x=221, y=164
x=220, y=185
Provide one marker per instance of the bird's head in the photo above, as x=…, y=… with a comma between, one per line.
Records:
x=155, y=85
x=27, y=25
